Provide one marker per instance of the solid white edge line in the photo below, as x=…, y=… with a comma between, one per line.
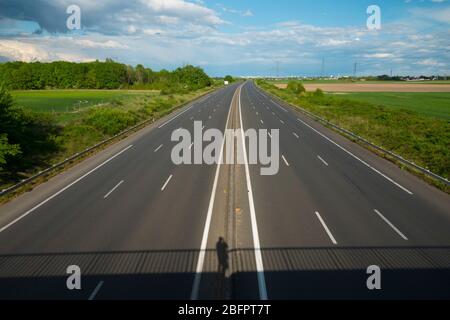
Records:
x=62, y=190
x=324, y=162
x=97, y=288
x=113, y=189
x=167, y=182
x=285, y=161
x=202, y=253
x=391, y=225
x=278, y=106
x=258, y=256
x=157, y=149
x=357, y=158
x=330, y=235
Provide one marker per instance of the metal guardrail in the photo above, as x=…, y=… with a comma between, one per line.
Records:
x=94, y=147
x=361, y=139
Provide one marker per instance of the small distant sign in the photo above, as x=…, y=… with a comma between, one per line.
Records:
x=226, y=82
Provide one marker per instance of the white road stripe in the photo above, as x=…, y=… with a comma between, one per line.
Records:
x=295, y=135
x=167, y=182
x=262, y=122
x=62, y=190
x=285, y=161
x=279, y=106
x=357, y=158
x=391, y=225
x=113, y=189
x=201, y=256
x=324, y=162
x=326, y=228
x=270, y=135
x=282, y=121
x=97, y=288
x=257, y=245
x=190, y=147
x=176, y=116
x=157, y=149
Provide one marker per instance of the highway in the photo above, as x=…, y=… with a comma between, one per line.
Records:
x=141, y=227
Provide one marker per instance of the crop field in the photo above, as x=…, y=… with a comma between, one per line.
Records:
x=433, y=104
x=372, y=87
x=58, y=101
x=283, y=82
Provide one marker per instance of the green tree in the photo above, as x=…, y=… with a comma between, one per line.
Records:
x=229, y=79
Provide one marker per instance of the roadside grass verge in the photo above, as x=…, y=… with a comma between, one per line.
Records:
x=422, y=139
x=76, y=130
x=432, y=104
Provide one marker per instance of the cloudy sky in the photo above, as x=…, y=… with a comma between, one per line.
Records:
x=245, y=37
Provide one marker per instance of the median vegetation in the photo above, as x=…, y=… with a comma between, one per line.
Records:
x=41, y=128
x=421, y=139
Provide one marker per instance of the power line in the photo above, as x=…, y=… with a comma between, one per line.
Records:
x=323, y=67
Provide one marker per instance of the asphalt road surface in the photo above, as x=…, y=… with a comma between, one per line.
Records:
x=140, y=227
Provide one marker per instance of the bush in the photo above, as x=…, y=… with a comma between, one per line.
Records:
x=319, y=93
x=7, y=150
x=110, y=121
x=295, y=87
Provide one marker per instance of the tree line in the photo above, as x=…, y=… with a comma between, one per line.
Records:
x=99, y=75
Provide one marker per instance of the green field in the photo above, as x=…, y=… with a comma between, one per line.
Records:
x=433, y=104
x=67, y=100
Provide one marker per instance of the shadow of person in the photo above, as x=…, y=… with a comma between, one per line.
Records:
x=222, y=255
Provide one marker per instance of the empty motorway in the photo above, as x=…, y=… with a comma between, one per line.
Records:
x=141, y=227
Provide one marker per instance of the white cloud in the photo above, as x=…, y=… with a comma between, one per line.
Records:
x=379, y=55
x=23, y=50
x=109, y=44
x=441, y=15
x=183, y=9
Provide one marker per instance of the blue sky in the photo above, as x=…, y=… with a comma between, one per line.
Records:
x=246, y=37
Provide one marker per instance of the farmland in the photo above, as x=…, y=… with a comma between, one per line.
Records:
x=57, y=101
x=432, y=104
